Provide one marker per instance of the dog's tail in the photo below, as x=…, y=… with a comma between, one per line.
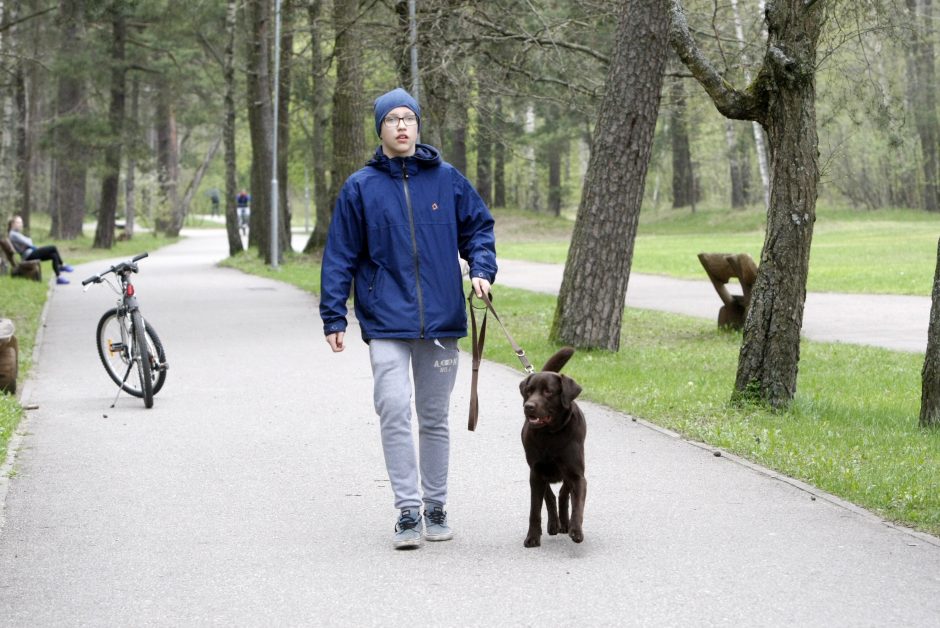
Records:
x=558, y=361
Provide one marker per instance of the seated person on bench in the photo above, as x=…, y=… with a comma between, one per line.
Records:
x=29, y=251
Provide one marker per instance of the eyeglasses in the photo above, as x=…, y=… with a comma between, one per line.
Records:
x=392, y=121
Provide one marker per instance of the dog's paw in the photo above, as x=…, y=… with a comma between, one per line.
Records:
x=576, y=535
x=563, y=527
x=554, y=528
x=533, y=540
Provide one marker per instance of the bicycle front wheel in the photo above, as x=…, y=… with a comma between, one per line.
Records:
x=115, y=338
x=140, y=353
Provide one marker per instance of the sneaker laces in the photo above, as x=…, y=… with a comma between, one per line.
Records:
x=437, y=516
x=405, y=522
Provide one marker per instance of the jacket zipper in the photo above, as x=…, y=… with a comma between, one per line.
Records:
x=414, y=246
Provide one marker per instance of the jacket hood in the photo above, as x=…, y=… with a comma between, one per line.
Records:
x=426, y=156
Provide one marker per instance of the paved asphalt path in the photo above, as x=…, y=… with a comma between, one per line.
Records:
x=254, y=494
x=889, y=321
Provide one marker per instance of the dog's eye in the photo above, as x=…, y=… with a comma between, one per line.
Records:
x=549, y=393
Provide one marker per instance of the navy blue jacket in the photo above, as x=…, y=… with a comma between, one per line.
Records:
x=397, y=229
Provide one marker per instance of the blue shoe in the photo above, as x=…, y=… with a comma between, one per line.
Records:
x=62, y=281
x=437, y=528
x=66, y=268
x=408, y=529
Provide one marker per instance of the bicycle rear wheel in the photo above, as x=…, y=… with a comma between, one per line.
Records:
x=114, y=337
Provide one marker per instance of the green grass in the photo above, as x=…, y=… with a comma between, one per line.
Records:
x=883, y=252
x=852, y=429
x=23, y=302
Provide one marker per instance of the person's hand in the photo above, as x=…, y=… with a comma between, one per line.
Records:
x=480, y=286
x=335, y=340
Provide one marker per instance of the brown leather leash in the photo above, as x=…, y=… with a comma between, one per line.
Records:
x=478, y=352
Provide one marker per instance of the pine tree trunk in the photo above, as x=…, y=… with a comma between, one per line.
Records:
x=770, y=352
x=682, y=175
x=167, y=161
x=283, y=127
x=71, y=161
x=736, y=167
x=484, y=182
x=589, y=311
x=457, y=150
x=260, y=123
x=235, y=245
x=321, y=124
x=104, y=232
x=930, y=376
x=349, y=147
x=23, y=169
x=555, y=150
x=923, y=75
x=499, y=160
x=130, y=201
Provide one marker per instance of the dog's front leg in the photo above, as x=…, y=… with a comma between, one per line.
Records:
x=578, y=495
x=537, y=488
x=552, y=509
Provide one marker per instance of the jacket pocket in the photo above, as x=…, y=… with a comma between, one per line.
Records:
x=374, y=287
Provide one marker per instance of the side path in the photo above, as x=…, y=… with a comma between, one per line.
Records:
x=889, y=321
x=254, y=493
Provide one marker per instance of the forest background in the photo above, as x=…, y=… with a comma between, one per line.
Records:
x=120, y=108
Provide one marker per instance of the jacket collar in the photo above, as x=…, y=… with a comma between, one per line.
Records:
x=426, y=156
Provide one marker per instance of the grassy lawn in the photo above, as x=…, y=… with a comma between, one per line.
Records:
x=852, y=429
x=883, y=252
x=23, y=302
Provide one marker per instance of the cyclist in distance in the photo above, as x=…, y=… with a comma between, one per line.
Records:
x=243, y=204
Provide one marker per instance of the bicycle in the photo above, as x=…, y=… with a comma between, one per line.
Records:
x=126, y=342
x=244, y=214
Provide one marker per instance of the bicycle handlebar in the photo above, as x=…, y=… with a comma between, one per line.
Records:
x=117, y=268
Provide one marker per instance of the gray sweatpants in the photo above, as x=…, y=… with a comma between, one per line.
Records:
x=434, y=366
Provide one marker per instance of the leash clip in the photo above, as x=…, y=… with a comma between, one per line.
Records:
x=528, y=367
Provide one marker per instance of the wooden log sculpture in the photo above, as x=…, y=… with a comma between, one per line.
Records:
x=721, y=268
x=9, y=356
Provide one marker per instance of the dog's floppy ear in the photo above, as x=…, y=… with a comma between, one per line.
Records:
x=523, y=384
x=570, y=390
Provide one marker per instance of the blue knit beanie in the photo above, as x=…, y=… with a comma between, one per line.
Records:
x=390, y=100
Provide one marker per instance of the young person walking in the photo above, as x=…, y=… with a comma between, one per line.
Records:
x=398, y=227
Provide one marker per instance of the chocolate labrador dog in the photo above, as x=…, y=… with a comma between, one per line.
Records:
x=553, y=439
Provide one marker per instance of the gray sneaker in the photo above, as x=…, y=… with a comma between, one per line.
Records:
x=437, y=528
x=408, y=529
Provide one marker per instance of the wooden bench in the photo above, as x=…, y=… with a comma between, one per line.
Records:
x=721, y=268
x=29, y=270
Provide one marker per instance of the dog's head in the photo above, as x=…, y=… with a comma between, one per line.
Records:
x=548, y=395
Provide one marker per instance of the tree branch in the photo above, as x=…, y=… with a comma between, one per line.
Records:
x=507, y=34
x=731, y=102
